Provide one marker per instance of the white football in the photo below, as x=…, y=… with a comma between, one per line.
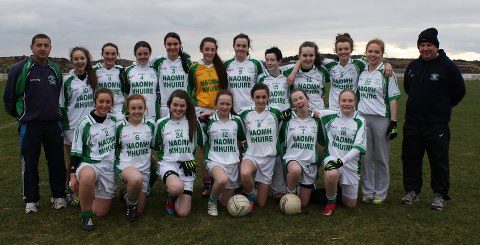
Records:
x=238, y=205
x=290, y=204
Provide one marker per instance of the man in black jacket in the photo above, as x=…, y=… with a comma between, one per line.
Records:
x=434, y=85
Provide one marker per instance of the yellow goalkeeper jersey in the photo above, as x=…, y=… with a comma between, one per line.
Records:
x=203, y=85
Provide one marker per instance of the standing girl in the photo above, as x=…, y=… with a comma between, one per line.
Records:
x=176, y=138
x=261, y=130
x=76, y=100
x=141, y=78
x=172, y=70
x=109, y=76
x=345, y=71
x=309, y=74
x=93, y=152
x=224, y=132
x=377, y=103
x=301, y=133
x=242, y=73
x=345, y=141
x=132, y=159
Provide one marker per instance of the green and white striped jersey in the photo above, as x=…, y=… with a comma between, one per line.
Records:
x=172, y=141
x=76, y=100
x=300, y=138
x=222, y=139
x=134, y=145
x=241, y=78
x=375, y=92
x=342, y=135
x=110, y=78
x=313, y=82
x=342, y=77
x=94, y=142
x=261, y=131
x=143, y=80
x=279, y=90
x=171, y=76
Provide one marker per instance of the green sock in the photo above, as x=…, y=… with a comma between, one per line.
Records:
x=213, y=198
x=86, y=214
x=332, y=198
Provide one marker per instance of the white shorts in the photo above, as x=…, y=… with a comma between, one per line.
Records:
x=164, y=111
x=264, y=166
x=309, y=172
x=349, y=181
x=199, y=109
x=165, y=166
x=145, y=177
x=105, y=178
x=68, y=136
x=231, y=170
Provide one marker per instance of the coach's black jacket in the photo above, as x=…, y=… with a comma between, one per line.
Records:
x=433, y=88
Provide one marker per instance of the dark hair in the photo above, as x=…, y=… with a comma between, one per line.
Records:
x=243, y=35
x=377, y=41
x=318, y=58
x=228, y=93
x=259, y=86
x=134, y=97
x=217, y=63
x=92, y=77
x=348, y=91
x=103, y=91
x=40, y=36
x=276, y=51
x=182, y=55
x=110, y=45
x=141, y=44
x=299, y=90
x=190, y=113
x=343, y=38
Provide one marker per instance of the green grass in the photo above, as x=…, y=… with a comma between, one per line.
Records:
x=388, y=223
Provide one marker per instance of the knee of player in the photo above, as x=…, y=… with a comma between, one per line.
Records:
x=221, y=181
x=331, y=175
x=100, y=212
x=87, y=176
x=175, y=189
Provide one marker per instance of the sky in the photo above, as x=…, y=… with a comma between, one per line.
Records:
x=286, y=24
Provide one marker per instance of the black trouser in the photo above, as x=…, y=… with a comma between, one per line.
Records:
x=31, y=136
x=435, y=140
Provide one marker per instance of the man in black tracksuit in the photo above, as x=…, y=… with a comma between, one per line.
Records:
x=31, y=95
x=434, y=85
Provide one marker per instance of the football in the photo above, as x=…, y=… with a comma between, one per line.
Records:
x=290, y=204
x=238, y=206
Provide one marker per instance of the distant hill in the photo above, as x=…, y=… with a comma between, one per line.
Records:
x=399, y=65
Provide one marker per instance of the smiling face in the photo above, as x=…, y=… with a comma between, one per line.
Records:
x=79, y=61
x=172, y=46
x=224, y=105
x=241, y=48
x=299, y=100
x=347, y=103
x=343, y=50
x=271, y=62
x=260, y=97
x=178, y=107
x=307, y=54
x=103, y=104
x=428, y=51
x=374, y=54
x=41, y=48
x=136, y=110
x=142, y=55
x=110, y=55
x=208, y=51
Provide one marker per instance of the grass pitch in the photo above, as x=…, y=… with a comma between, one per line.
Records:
x=367, y=223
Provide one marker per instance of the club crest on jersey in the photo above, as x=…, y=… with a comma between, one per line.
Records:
x=434, y=77
x=51, y=80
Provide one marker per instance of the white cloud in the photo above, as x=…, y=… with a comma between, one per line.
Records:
x=282, y=23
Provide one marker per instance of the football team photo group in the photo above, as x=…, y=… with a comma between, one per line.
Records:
x=247, y=129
